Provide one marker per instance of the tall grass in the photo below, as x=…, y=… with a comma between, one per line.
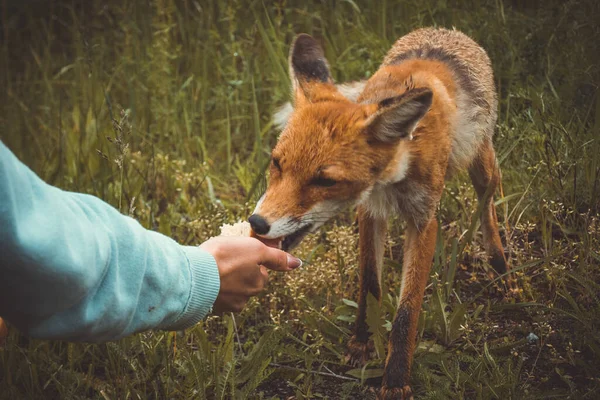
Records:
x=163, y=109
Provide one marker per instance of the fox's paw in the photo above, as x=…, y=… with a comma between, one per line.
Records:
x=508, y=284
x=395, y=393
x=358, y=352
x=513, y=291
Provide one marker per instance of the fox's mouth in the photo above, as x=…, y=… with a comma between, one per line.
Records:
x=293, y=239
x=290, y=241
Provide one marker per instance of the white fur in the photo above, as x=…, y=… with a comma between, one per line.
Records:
x=350, y=90
x=381, y=202
x=282, y=115
x=402, y=167
x=408, y=256
x=316, y=216
x=466, y=127
x=381, y=199
x=364, y=196
x=379, y=243
x=468, y=132
x=258, y=204
x=413, y=202
x=321, y=212
x=282, y=227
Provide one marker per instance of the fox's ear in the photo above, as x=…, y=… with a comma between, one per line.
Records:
x=307, y=64
x=397, y=117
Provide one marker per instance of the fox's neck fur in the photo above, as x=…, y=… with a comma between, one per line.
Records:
x=394, y=80
x=418, y=159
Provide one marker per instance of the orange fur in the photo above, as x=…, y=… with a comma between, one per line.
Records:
x=3, y=332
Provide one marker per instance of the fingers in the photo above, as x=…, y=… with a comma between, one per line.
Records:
x=265, y=274
x=270, y=257
x=244, y=265
x=278, y=260
x=274, y=243
x=255, y=284
x=256, y=280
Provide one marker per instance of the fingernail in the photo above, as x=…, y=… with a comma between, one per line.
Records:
x=293, y=262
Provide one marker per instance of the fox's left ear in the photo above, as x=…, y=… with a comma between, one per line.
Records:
x=397, y=117
x=308, y=65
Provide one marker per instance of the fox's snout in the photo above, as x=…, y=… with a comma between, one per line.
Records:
x=284, y=232
x=259, y=224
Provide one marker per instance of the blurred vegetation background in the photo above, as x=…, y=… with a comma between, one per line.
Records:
x=163, y=109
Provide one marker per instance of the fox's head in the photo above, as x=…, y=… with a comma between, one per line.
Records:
x=332, y=151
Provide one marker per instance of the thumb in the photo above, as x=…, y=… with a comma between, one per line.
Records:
x=278, y=260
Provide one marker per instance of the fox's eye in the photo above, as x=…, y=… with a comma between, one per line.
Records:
x=324, y=182
x=276, y=164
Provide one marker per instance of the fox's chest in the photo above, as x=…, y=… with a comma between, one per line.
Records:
x=409, y=199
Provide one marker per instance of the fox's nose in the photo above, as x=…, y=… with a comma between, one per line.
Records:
x=259, y=224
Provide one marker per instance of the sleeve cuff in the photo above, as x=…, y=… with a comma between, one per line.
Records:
x=205, y=285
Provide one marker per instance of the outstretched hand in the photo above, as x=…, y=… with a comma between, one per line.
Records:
x=243, y=264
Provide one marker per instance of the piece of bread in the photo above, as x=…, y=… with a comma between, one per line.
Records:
x=237, y=229
x=244, y=229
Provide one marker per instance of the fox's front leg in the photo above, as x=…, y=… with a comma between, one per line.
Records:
x=419, y=247
x=372, y=233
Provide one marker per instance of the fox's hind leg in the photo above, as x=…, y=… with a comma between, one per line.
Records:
x=485, y=175
x=372, y=233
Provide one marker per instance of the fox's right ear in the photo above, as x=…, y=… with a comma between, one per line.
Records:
x=397, y=117
x=308, y=66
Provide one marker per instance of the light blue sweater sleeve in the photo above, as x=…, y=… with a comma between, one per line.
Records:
x=72, y=267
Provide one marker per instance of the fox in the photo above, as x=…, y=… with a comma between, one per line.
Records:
x=385, y=145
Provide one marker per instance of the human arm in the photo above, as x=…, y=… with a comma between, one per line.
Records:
x=72, y=267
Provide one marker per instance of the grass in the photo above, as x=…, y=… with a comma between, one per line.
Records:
x=163, y=109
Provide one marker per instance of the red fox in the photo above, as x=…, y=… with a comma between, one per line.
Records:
x=386, y=145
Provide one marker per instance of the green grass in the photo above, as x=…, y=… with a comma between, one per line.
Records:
x=163, y=109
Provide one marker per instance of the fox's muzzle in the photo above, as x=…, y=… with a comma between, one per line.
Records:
x=259, y=224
